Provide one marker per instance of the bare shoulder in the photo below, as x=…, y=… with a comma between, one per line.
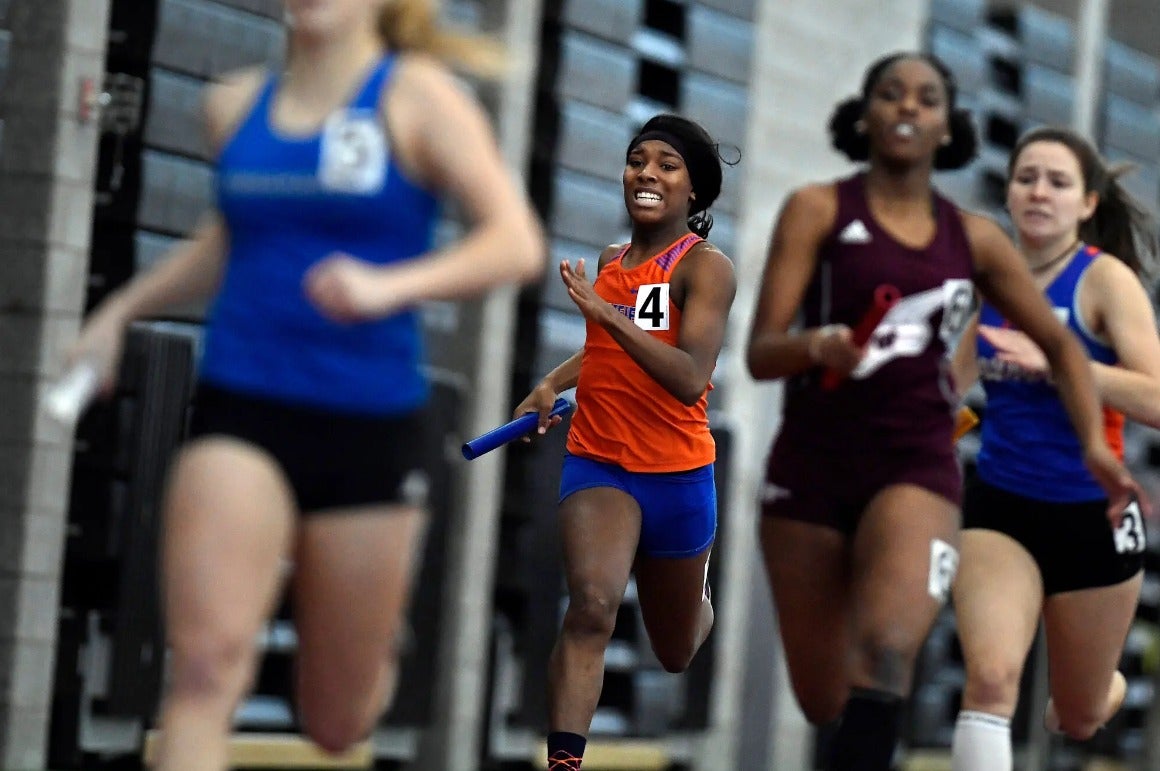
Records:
x=1109, y=273
x=706, y=267
x=227, y=99
x=978, y=226
x=443, y=135
x=816, y=199
x=607, y=254
x=706, y=252
x=426, y=80
x=809, y=211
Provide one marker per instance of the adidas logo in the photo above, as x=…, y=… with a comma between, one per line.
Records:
x=854, y=233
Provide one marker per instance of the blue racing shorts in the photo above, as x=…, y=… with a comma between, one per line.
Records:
x=678, y=510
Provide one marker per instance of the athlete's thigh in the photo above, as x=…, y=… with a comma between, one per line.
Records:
x=671, y=591
x=998, y=596
x=599, y=533
x=1085, y=631
x=904, y=557
x=229, y=519
x=808, y=567
x=351, y=585
x=678, y=525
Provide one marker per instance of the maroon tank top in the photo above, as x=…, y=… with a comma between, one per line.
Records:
x=900, y=395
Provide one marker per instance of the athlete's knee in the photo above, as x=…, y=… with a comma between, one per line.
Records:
x=336, y=730
x=821, y=705
x=591, y=612
x=992, y=686
x=675, y=653
x=888, y=660
x=211, y=665
x=1080, y=722
x=676, y=656
x=1079, y=728
x=336, y=716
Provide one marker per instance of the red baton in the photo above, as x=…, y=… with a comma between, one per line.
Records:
x=885, y=297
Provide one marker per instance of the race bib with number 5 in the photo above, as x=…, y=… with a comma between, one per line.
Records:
x=652, y=307
x=1129, y=536
x=354, y=153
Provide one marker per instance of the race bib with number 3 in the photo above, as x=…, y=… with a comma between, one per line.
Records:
x=652, y=307
x=1129, y=536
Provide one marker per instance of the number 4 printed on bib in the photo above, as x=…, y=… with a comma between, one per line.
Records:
x=652, y=307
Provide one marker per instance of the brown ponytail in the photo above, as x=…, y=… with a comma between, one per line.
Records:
x=413, y=25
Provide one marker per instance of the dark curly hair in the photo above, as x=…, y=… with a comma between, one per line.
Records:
x=702, y=158
x=855, y=145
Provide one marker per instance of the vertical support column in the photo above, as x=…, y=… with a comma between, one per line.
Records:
x=454, y=740
x=1089, y=65
x=47, y=164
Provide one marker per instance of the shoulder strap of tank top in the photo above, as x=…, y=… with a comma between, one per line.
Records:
x=619, y=254
x=669, y=257
x=849, y=191
x=1082, y=258
x=261, y=104
x=371, y=92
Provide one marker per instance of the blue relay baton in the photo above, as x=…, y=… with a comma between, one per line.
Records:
x=521, y=426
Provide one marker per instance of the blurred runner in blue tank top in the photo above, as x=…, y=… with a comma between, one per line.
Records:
x=308, y=429
x=1039, y=534
x=861, y=502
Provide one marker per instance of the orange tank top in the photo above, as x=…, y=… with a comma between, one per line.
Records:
x=622, y=415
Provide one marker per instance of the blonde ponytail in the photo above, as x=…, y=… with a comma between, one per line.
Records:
x=413, y=25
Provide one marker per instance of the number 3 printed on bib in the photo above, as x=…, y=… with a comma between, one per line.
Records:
x=1129, y=536
x=652, y=307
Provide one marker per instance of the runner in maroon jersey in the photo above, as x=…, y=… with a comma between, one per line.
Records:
x=861, y=500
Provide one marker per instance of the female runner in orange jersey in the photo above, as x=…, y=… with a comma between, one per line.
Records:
x=637, y=492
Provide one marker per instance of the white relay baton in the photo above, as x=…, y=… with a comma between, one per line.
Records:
x=73, y=393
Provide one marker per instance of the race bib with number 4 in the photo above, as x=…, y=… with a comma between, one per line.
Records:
x=652, y=307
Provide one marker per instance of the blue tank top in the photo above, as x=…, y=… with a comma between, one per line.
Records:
x=1028, y=444
x=288, y=202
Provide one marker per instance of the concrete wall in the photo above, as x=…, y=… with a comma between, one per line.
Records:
x=46, y=187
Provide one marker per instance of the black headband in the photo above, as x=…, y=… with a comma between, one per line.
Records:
x=700, y=158
x=664, y=136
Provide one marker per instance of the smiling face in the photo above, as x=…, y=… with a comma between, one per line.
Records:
x=1047, y=194
x=907, y=113
x=657, y=187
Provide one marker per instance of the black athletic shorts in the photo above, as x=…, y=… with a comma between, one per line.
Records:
x=332, y=459
x=1072, y=543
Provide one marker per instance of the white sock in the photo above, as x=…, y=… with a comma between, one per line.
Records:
x=982, y=742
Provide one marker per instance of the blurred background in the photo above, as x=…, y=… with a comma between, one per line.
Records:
x=102, y=168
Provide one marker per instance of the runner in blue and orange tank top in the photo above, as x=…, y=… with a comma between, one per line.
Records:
x=637, y=491
x=311, y=400
x=1037, y=541
x=861, y=501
